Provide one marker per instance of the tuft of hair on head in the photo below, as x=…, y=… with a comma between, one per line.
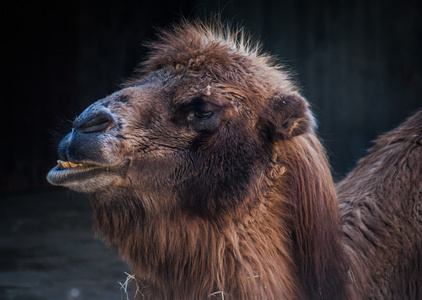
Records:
x=197, y=37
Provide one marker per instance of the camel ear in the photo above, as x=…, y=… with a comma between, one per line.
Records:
x=291, y=116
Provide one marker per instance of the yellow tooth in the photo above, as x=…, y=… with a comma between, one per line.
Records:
x=68, y=164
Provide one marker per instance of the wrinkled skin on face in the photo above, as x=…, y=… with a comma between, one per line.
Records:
x=170, y=132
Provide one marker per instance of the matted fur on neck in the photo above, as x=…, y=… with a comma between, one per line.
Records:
x=283, y=246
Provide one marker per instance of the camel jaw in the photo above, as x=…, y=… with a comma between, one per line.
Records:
x=85, y=177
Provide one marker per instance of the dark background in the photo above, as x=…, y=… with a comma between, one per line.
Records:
x=359, y=63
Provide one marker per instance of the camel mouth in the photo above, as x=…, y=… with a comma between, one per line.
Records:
x=74, y=175
x=71, y=166
x=68, y=164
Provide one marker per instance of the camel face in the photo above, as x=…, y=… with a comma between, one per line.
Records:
x=200, y=122
x=181, y=132
x=148, y=131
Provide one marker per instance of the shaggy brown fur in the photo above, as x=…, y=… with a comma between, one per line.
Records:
x=268, y=227
x=381, y=206
x=206, y=174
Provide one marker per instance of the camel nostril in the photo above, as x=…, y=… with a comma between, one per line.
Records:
x=99, y=122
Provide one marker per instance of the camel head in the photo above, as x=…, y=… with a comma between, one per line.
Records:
x=198, y=122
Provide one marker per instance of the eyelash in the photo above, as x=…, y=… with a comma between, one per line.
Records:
x=201, y=114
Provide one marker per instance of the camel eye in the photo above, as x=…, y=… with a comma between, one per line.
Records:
x=199, y=110
x=199, y=115
x=203, y=114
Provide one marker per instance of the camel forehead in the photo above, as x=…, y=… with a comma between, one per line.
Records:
x=176, y=87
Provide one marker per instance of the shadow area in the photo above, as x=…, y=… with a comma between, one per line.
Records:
x=48, y=250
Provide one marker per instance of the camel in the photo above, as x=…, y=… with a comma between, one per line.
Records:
x=380, y=202
x=206, y=173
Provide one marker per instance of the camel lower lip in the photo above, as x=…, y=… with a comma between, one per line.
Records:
x=60, y=176
x=72, y=176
